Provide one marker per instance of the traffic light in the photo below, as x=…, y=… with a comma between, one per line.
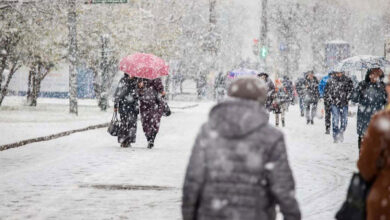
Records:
x=264, y=52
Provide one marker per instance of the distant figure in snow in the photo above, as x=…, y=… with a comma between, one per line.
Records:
x=311, y=96
x=280, y=101
x=371, y=97
x=220, y=86
x=327, y=103
x=126, y=103
x=289, y=88
x=338, y=92
x=238, y=167
x=300, y=88
x=374, y=164
x=151, y=93
x=270, y=89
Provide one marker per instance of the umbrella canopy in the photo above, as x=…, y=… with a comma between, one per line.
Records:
x=242, y=72
x=362, y=62
x=142, y=65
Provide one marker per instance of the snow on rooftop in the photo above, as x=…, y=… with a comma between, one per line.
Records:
x=337, y=42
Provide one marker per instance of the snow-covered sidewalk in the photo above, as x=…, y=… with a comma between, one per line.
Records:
x=56, y=179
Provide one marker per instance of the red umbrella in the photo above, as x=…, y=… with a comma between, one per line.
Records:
x=144, y=65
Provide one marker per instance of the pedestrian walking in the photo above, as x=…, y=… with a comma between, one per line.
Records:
x=238, y=168
x=220, y=86
x=289, y=88
x=151, y=95
x=311, y=96
x=300, y=88
x=270, y=89
x=280, y=103
x=327, y=104
x=374, y=164
x=126, y=103
x=371, y=98
x=338, y=92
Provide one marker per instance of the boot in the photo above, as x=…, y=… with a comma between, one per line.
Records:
x=308, y=122
x=312, y=122
x=150, y=145
x=125, y=144
x=283, y=123
x=327, y=130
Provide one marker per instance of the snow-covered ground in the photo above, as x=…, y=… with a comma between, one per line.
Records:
x=87, y=175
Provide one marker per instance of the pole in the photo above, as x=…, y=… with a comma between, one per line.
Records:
x=263, y=32
x=72, y=17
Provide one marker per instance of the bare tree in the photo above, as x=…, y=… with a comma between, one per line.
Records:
x=72, y=22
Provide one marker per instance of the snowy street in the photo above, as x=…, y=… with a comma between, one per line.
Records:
x=88, y=176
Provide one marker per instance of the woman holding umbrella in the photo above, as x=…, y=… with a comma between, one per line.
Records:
x=148, y=68
x=152, y=95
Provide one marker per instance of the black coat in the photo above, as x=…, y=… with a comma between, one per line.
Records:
x=371, y=98
x=300, y=87
x=126, y=96
x=289, y=88
x=338, y=91
x=311, y=93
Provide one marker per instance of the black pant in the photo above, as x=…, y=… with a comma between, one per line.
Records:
x=328, y=115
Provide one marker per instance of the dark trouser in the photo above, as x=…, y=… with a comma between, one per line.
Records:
x=328, y=116
x=128, y=131
x=340, y=120
x=311, y=110
x=301, y=104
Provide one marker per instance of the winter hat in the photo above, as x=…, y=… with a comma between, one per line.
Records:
x=250, y=87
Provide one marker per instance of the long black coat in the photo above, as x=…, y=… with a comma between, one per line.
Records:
x=126, y=96
x=126, y=101
x=338, y=91
x=371, y=98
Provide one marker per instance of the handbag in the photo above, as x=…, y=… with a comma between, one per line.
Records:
x=167, y=110
x=354, y=208
x=114, y=126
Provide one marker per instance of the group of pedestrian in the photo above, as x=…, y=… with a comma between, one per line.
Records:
x=135, y=96
x=338, y=90
x=239, y=168
x=279, y=96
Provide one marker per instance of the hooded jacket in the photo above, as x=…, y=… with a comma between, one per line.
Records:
x=338, y=91
x=371, y=98
x=238, y=167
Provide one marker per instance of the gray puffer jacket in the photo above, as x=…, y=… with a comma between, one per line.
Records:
x=239, y=168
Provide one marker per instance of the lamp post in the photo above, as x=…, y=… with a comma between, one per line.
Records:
x=263, y=40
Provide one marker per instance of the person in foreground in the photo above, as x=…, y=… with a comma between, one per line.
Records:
x=374, y=164
x=239, y=168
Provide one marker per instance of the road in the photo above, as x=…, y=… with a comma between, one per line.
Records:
x=87, y=175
